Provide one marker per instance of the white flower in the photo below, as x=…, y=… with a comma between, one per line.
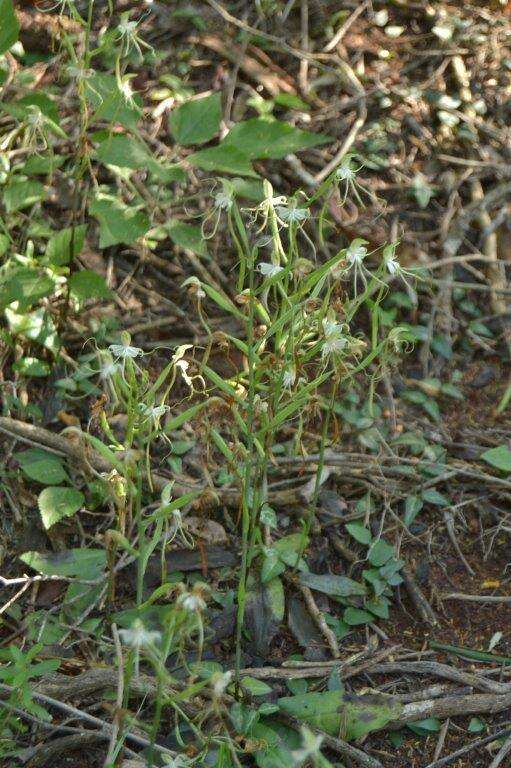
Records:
x=191, y=602
x=220, y=682
x=289, y=377
x=154, y=412
x=124, y=351
x=290, y=213
x=345, y=173
x=269, y=270
x=183, y=366
x=138, y=636
x=108, y=370
x=126, y=90
x=126, y=27
x=311, y=746
x=335, y=341
x=223, y=201
x=179, y=761
x=78, y=73
x=392, y=264
x=356, y=254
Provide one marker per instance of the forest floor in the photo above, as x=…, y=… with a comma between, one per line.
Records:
x=411, y=476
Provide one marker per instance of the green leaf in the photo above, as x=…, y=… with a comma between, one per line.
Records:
x=43, y=102
x=104, y=95
x=31, y=366
x=26, y=286
x=188, y=237
x=41, y=466
x=500, y=458
x=340, y=714
x=63, y=246
x=56, y=503
x=435, y=497
x=272, y=566
x=196, y=121
x=276, y=601
x=413, y=506
x=380, y=552
x=355, y=616
x=336, y=586
x=118, y=222
x=291, y=101
x=39, y=165
x=260, y=138
x=36, y=326
x=254, y=686
x=468, y=653
x=9, y=26
x=425, y=727
x=476, y=725
x=225, y=159
x=122, y=151
x=378, y=606
x=359, y=532
x=19, y=195
x=88, y=284
x=87, y=563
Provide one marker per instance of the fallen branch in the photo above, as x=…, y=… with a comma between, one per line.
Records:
x=448, y=759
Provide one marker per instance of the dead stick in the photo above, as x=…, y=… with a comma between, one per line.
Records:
x=320, y=622
x=448, y=759
x=417, y=597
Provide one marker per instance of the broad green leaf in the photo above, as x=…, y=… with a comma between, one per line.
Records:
x=336, y=586
x=88, y=284
x=413, y=506
x=291, y=101
x=41, y=466
x=87, y=563
x=380, y=552
x=435, y=497
x=63, y=246
x=31, y=366
x=110, y=105
x=260, y=138
x=225, y=159
x=476, y=725
x=9, y=26
x=254, y=686
x=359, y=532
x=340, y=714
x=39, y=165
x=500, y=458
x=187, y=236
x=43, y=102
x=378, y=606
x=124, y=151
x=353, y=617
x=57, y=503
x=36, y=326
x=272, y=566
x=276, y=600
x=196, y=121
x=19, y=195
x=118, y=222
x=26, y=286
x=276, y=753
x=425, y=727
